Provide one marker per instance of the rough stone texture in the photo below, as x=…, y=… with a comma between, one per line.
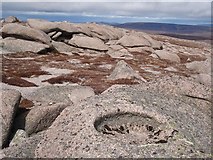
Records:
x=123, y=71
x=10, y=100
x=203, y=79
x=19, y=136
x=200, y=66
x=11, y=19
x=123, y=53
x=155, y=44
x=192, y=92
x=18, y=45
x=167, y=55
x=145, y=50
x=47, y=26
x=64, y=48
x=25, y=149
x=88, y=43
x=103, y=32
x=65, y=94
x=111, y=126
x=133, y=41
x=39, y=118
x=23, y=32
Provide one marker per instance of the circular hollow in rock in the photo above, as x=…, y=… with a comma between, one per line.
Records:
x=138, y=128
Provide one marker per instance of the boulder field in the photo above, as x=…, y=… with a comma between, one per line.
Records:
x=89, y=90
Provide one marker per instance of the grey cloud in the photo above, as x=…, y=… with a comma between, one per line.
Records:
x=134, y=9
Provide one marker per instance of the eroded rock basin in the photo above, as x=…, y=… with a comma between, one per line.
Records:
x=137, y=128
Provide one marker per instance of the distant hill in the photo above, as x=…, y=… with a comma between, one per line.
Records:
x=192, y=32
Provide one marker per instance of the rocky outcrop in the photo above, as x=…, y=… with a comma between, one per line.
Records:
x=17, y=45
x=143, y=124
x=123, y=71
x=10, y=100
x=23, y=32
x=88, y=43
x=47, y=26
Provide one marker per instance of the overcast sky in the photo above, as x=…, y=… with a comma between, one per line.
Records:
x=171, y=11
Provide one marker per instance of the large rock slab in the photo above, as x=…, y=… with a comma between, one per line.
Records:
x=123, y=71
x=133, y=40
x=39, y=118
x=103, y=32
x=64, y=48
x=128, y=122
x=64, y=94
x=155, y=44
x=48, y=26
x=18, y=45
x=88, y=43
x=23, y=32
x=167, y=56
x=10, y=101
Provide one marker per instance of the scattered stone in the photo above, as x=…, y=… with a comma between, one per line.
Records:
x=39, y=118
x=123, y=71
x=19, y=136
x=23, y=32
x=10, y=101
x=51, y=34
x=144, y=50
x=171, y=69
x=55, y=37
x=120, y=54
x=167, y=56
x=88, y=43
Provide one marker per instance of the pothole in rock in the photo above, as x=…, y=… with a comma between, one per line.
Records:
x=135, y=128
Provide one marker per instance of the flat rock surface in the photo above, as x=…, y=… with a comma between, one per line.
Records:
x=112, y=125
x=64, y=94
x=19, y=45
x=23, y=32
x=88, y=43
